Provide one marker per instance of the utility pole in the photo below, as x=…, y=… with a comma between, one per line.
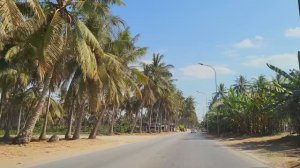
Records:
x=299, y=51
x=299, y=6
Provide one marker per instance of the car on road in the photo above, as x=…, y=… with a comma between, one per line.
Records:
x=193, y=131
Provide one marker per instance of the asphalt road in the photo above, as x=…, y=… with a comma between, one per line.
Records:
x=184, y=150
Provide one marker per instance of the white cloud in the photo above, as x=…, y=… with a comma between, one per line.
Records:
x=202, y=72
x=146, y=61
x=287, y=60
x=293, y=32
x=259, y=38
x=249, y=43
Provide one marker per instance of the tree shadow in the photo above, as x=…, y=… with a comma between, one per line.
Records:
x=290, y=145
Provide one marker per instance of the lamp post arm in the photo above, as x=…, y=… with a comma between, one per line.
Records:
x=216, y=83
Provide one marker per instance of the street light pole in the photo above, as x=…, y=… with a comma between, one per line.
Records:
x=218, y=122
x=299, y=51
x=299, y=6
x=206, y=105
x=215, y=73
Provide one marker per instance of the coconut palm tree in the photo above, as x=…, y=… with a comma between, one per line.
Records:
x=159, y=76
x=241, y=84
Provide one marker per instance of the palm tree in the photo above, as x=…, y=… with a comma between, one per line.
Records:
x=159, y=78
x=241, y=84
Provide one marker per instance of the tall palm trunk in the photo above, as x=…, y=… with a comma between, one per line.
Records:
x=112, y=124
x=78, y=126
x=44, y=130
x=141, y=121
x=25, y=134
x=150, y=118
x=165, y=121
x=6, y=136
x=156, y=118
x=93, y=133
x=68, y=134
x=168, y=121
x=135, y=121
x=160, y=120
x=19, y=120
x=1, y=103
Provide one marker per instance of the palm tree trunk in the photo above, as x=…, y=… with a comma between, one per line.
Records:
x=1, y=103
x=165, y=121
x=44, y=130
x=156, y=118
x=150, y=118
x=135, y=121
x=93, y=133
x=114, y=115
x=78, y=126
x=160, y=120
x=19, y=120
x=141, y=121
x=68, y=134
x=25, y=134
x=6, y=136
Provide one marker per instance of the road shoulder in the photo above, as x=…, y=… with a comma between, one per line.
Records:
x=280, y=151
x=12, y=156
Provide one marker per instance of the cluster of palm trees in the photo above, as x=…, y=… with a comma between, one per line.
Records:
x=70, y=62
x=257, y=107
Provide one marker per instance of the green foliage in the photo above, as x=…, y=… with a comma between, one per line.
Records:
x=259, y=107
x=123, y=125
x=189, y=117
x=181, y=127
x=81, y=54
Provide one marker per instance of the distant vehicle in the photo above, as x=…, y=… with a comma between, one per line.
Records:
x=203, y=130
x=193, y=131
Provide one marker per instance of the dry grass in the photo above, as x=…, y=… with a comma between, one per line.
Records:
x=39, y=152
x=280, y=151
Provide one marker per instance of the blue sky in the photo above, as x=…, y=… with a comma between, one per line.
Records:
x=235, y=36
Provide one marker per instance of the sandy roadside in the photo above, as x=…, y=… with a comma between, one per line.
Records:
x=276, y=151
x=12, y=156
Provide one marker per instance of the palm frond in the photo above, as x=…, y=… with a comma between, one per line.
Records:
x=10, y=15
x=38, y=11
x=89, y=37
x=85, y=57
x=53, y=42
x=13, y=51
x=281, y=72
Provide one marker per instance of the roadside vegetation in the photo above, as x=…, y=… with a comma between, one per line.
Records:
x=257, y=107
x=72, y=66
x=260, y=117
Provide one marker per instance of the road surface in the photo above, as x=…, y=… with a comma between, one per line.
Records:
x=183, y=150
